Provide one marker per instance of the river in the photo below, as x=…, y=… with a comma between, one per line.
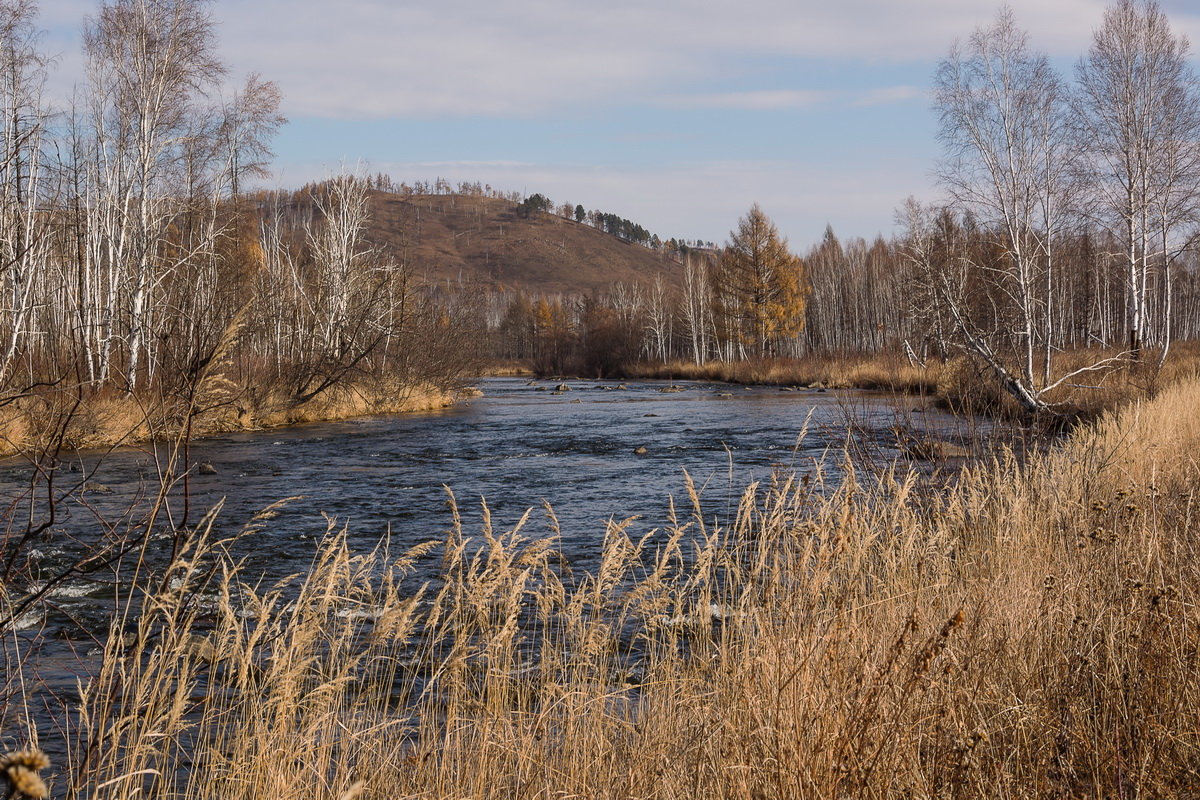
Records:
x=593, y=452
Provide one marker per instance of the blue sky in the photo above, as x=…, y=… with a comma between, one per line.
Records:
x=678, y=114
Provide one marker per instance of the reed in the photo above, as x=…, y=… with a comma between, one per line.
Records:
x=1029, y=631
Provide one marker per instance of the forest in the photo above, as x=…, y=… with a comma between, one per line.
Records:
x=1070, y=224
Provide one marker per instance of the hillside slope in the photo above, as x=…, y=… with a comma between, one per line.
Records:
x=481, y=241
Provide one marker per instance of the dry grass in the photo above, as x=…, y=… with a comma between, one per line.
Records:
x=960, y=384
x=354, y=401
x=967, y=386
x=880, y=371
x=106, y=418
x=1028, y=632
x=511, y=368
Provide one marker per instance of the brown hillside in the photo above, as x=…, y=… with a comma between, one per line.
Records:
x=482, y=241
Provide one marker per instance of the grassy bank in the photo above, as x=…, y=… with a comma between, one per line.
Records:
x=1028, y=632
x=958, y=384
x=106, y=418
x=508, y=369
x=885, y=371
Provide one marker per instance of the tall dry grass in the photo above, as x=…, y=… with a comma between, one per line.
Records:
x=1029, y=631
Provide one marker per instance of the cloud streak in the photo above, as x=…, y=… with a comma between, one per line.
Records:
x=760, y=100
x=800, y=99
x=370, y=58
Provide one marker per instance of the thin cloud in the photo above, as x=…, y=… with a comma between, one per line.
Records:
x=530, y=57
x=761, y=100
x=520, y=58
x=800, y=99
x=466, y=164
x=888, y=95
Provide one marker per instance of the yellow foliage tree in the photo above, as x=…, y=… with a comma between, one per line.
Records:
x=761, y=287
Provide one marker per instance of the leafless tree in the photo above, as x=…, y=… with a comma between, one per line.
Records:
x=250, y=120
x=1003, y=124
x=149, y=64
x=1138, y=115
x=659, y=319
x=23, y=222
x=1002, y=112
x=697, y=304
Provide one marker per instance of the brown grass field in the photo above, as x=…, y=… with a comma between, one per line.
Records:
x=481, y=241
x=1030, y=630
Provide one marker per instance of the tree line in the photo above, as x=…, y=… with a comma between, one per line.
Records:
x=1070, y=221
x=132, y=258
x=840, y=298
x=746, y=300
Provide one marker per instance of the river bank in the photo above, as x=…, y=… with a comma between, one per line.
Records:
x=957, y=384
x=66, y=421
x=1027, y=632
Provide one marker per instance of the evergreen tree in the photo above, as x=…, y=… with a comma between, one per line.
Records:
x=762, y=290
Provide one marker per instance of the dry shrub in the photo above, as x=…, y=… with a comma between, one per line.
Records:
x=1027, y=632
x=966, y=387
x=14, y=428
x=969, y=386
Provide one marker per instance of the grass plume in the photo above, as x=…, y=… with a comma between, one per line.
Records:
x=1029, y=631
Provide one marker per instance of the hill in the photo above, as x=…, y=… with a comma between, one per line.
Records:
x=483, y=241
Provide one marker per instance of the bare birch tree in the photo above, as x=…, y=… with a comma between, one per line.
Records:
x=697, y=304
x=23, y=223
x=1002, y=111
x=659, y=319
x=149, y=63
x=1139, y=118
x=249, y=122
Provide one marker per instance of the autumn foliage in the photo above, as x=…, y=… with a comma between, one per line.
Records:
x=761, y=290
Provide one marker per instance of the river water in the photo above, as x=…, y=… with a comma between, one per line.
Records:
x=593, y=452
x=520, y=444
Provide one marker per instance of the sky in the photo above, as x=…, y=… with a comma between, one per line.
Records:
x=677, y=114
